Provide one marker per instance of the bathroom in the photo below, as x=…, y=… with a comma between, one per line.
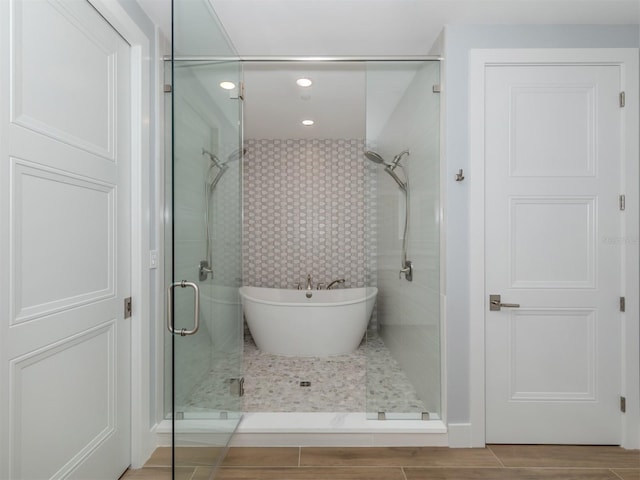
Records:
x=61, y=163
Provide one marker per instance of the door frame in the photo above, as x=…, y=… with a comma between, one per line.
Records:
x=627, y=60
x=143, y=440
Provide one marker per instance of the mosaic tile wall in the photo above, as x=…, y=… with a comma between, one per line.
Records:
x=309, y=208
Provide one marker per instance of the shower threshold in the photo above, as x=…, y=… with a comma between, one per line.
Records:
x=335, y=429
x=299, y=429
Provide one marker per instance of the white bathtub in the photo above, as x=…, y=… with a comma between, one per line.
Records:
x=286, y=322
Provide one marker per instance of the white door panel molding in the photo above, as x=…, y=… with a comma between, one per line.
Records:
x=552, y=150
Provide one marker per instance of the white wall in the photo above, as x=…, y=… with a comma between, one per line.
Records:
x=459, y=40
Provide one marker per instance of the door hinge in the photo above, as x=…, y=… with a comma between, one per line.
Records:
x=237, y=93
x=127, y=307
x=623, y=404
x=236, y=386
x=436, y=88
x=623, y=305
x=622, y=201
x=622, y=99
x=167, y=88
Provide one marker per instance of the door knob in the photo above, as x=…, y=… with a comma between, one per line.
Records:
x=495, y=304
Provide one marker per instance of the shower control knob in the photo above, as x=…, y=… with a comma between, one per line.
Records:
x=204, y=270
x=407, y=270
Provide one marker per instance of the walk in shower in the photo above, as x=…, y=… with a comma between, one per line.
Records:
x=257, y=197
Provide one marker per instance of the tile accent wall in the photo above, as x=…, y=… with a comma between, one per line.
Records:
x=309, y=208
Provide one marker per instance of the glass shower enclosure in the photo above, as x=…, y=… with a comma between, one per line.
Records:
x=203, y=335
x=204, y=331
x=403, y=145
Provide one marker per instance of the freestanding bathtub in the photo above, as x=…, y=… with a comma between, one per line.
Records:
x=286, y=322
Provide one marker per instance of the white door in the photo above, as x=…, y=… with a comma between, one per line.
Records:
x=552, y=181
x=64, y=242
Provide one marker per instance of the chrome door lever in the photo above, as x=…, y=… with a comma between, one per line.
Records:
x=495, y=304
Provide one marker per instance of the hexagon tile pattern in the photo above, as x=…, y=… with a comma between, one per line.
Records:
x=308, y=209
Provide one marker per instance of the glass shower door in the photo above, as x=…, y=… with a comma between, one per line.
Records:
x=204, y=327
x=403, y=352
x=204, y=334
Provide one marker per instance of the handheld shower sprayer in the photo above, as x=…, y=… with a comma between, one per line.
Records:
x=396, y=160
x=406, y=266
x=214, y=159
x=214, y=174
x=390, y=167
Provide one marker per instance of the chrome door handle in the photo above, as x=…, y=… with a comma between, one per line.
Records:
x=196, y=314
x=495, y=304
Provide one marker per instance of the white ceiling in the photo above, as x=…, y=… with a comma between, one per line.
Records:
x=382, y=27
x=274, y=105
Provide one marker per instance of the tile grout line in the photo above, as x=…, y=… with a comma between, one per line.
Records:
x=404, y=474
x=615, y=473
x=488, y=447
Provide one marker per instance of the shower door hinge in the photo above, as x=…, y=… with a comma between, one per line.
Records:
x=236, y=386
x=237, y=94
x=167, y=88
x=623, y=303
x=623, y=404
x=127, y=307
x=436, y=89
x=622, y=202
x=622, y=99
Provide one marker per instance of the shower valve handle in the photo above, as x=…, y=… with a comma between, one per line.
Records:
x=407, y=270
x=204, y=270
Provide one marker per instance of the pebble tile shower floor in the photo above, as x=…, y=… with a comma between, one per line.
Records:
x=337, y=384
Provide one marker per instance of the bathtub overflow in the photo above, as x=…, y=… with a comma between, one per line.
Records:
x=309, y=294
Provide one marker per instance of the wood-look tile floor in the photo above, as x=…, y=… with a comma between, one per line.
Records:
x=496, y=462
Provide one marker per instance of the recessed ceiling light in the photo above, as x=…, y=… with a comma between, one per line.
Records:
x=304, y=82
x=307, y=123
x=227, y=85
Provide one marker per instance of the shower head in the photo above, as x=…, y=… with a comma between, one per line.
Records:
x=233, y=156
x=396, y=160
x=392, y=174
x=374, y=157
x=237, y=154
x=389, y=167
x=213, y=158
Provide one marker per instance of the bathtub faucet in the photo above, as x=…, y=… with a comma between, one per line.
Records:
x=335, y=282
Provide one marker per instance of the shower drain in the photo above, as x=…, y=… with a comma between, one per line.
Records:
x=305, y=384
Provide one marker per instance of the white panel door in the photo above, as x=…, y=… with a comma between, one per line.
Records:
x=553, y=179
x=64, y=243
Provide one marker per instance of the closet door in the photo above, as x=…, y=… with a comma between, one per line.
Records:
x=553, y=175
x=64, y=242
